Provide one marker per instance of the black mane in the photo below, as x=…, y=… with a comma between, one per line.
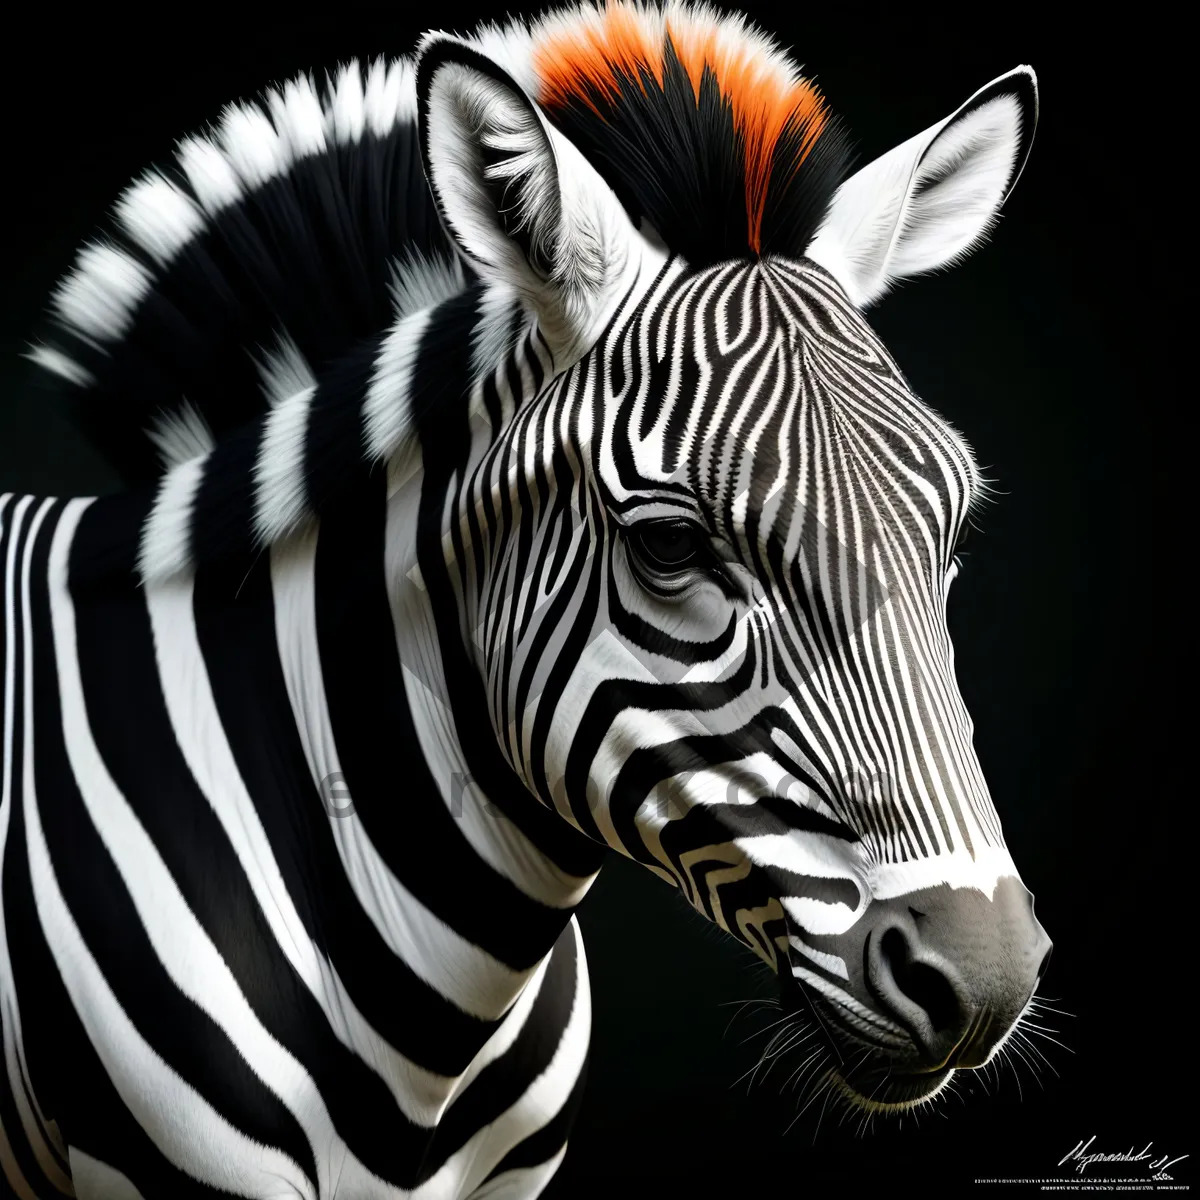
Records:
x=674, y=156
x=308, y=255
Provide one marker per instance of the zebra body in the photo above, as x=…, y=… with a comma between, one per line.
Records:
x=512, y=509
x=298, y=1014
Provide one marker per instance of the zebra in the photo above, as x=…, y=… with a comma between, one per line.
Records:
x=523, y=482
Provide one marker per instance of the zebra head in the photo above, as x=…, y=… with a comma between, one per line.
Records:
x=711, y=536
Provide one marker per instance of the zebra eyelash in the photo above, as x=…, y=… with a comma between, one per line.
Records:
x=675, y=584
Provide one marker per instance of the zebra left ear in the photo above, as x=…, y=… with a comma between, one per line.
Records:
x=521, y=203
x=930, y=201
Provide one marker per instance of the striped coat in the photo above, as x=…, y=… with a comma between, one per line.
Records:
x=522, y=482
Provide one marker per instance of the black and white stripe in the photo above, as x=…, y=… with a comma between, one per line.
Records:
x=489, y=535
x=276, y=993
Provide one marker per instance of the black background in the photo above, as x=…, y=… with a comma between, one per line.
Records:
x=1052, y=349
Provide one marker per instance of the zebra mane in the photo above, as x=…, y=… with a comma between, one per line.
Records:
x=228, y=336
x=270, y=246
x=699, y=122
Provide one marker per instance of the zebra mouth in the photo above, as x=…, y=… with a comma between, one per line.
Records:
x=878, y=1083
x=877, y=1088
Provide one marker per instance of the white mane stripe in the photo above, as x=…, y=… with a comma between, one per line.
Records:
x=252, y=144
x=98, y=298
x=159, y=217
x=181, y=435
x=280, y=503
x=419, y=281
x=166, y=535
x=284, y=371
x=60, y=364
x=296, y=112
x=386, y=413
x=209, y=174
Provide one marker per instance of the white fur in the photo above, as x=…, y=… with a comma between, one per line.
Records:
x=166, y=544
x=252, y=145
x=284, y=371
x=387, y=413
x=209, y=174
x=982, y=870
x=159, y=217
x=296, y=113
x=190, y=1132
x=510, y=47
x=467, y=975
x=280, y=502
x=181, y=435
x=99, y=297
x=881, y=230
x=831, y=962
x=419, y=281
x=58, y=363
x=464, y=1172
x=391, y=95
x=345, y=110
x=467, y=111
x=490, y=342
x=570, y=213
x=525, y=158
x=731, y=34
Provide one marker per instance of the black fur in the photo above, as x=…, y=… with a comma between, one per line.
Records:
x=310, y=255
x=677, y=160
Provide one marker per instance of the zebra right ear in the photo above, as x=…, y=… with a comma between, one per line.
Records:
x=518, y=199
x=931, y=200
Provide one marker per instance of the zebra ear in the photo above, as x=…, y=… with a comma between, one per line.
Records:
x=519, y=200
x=930, y=201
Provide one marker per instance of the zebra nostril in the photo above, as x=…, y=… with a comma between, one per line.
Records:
x=925, y=986
x=954, y=968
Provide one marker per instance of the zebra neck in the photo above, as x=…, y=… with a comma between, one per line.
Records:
x=354, y=680
x=367, y=902
x=471, y=899
x=505, y=824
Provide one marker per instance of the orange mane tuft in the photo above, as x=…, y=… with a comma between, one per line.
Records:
x=591, y=53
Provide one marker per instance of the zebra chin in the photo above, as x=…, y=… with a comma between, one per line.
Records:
x=922, y=985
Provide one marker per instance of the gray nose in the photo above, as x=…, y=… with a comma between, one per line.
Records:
x=954, y=967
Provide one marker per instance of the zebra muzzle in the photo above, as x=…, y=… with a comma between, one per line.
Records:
x=942, y=973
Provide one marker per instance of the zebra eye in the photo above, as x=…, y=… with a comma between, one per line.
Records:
x=962, y=536
x=669, y=545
